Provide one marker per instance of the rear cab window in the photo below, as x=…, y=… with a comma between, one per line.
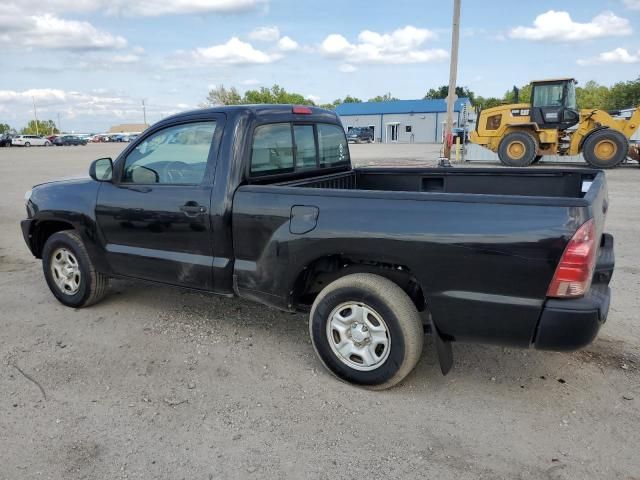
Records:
x=281, y=148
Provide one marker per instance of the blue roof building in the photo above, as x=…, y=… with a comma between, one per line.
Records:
x=404, y=121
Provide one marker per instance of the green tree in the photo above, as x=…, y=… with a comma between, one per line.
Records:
x=222, y=96
x=5, y=128
x=276, y=94
x=350, y=99
x=524, y=95
x=443, y=91
x=383, y=98
x=488, y=102
x=338, y=101
x=624, y=95
x=592, y=95
x=43, y=127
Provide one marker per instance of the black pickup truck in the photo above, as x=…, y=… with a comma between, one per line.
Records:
x=262, y=202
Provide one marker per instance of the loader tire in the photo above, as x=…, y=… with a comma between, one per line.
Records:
x=605, y=148
x=518, y=149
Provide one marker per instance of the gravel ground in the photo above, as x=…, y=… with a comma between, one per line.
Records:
x=161, y=383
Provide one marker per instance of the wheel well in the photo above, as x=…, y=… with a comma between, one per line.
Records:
x=43, y=230
x=325, y=270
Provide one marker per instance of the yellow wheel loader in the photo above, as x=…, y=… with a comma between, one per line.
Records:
x=551, y=124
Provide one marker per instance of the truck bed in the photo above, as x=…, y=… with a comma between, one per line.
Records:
x=536, y=182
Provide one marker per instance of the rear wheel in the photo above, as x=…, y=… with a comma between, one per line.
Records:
x=518, y=149
x=366, y=330
x=605, y=148
x=47, y=144
x=27, y=144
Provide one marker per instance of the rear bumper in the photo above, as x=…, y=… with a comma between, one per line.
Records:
x=572, y=324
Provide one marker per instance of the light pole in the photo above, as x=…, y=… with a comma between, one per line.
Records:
x=35, y=114
x=144, y=111
x=59, y=127
x=453, y=73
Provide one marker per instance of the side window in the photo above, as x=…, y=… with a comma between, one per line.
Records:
x=175, y=155
x=272, y=150
x=332, y=145
x=305, y=146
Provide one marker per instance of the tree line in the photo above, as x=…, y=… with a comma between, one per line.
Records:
x=591, y=95
x=42, y=127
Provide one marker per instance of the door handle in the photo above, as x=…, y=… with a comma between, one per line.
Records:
x=192, y=208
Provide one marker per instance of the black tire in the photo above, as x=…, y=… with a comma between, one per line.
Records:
x=605, y=148
x=27, y=144
x=518, y=149
x=537, y=159
x=92, y=285
x=401, y=322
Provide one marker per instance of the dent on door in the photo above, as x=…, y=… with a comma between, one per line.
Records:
x=304, y=218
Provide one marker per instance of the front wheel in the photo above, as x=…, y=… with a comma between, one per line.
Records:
x=69, y=272
x=605, y=148
x=27, y=144
x=366, y=330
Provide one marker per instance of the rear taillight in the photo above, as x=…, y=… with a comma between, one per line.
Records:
x=575, y=270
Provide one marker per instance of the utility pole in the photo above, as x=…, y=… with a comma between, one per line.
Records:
x=59, y=127
x=453, y=73
x=144, y=112
x=35, y=114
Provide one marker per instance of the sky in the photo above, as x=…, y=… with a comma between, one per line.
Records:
x=93, y=62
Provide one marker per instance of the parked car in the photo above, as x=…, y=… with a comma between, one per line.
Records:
x=360, y=135
x=219, y=200
x=30, y=141
x=5, y=140
x=69, y=140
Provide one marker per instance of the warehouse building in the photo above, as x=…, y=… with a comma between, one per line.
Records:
x=403, y=121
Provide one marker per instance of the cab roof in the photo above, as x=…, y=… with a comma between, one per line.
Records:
x=565, y=79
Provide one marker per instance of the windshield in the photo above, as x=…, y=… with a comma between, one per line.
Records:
x=548, y=95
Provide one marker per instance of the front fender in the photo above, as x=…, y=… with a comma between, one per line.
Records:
x=72, y=202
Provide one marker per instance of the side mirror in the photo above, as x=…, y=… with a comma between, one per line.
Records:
x=101, y=170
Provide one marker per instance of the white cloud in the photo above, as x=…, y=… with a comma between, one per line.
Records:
x=234, y=52
x=558, y=26
x=403, y=45
x=347, y=68
x=52, y=32
x=313, y=98
x=265, y=34
x=145, y=8
x=250, y=82
x=287, y=44
x=41, y=95
x=632, y=4
x=98, y=105
x=127, y=58
x=155, y=8
x=617, y=55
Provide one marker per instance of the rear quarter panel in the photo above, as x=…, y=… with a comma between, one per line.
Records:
x=484, y=267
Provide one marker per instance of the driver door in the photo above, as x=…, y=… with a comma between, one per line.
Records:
x=154, y=217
